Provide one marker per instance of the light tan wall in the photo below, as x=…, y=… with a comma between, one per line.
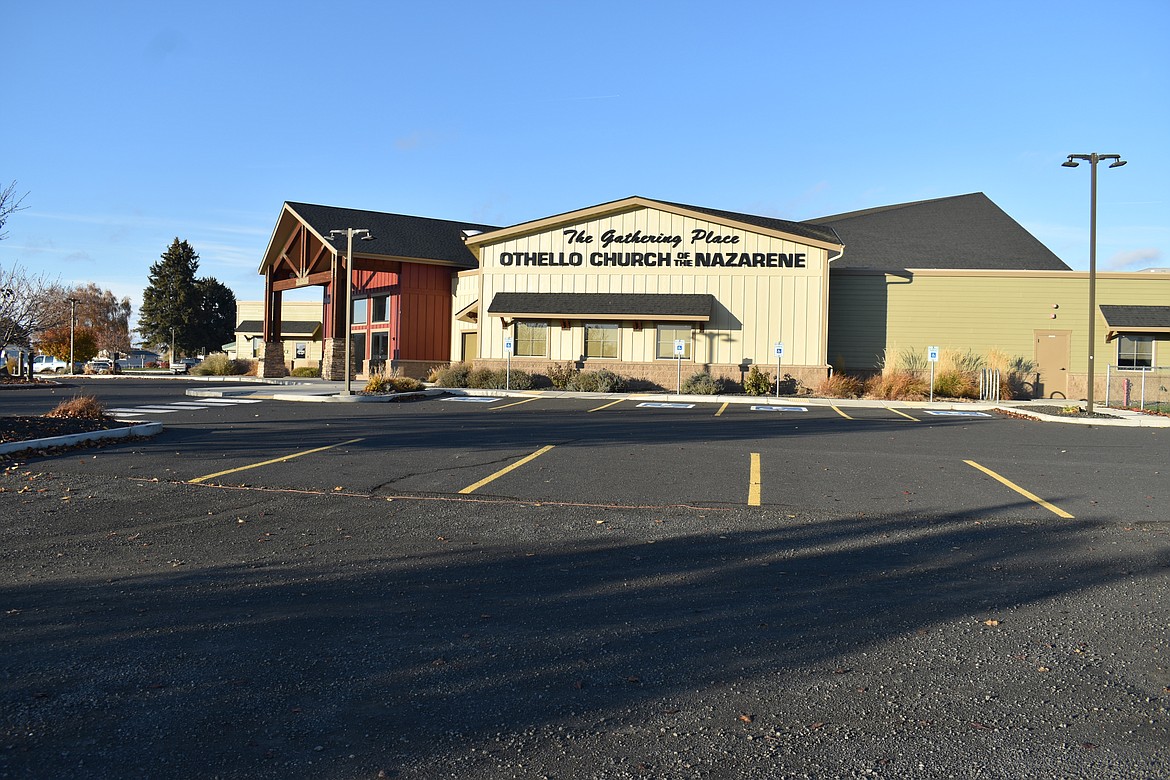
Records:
x=975, y=310
x=465, y=289
x=756, y=306
x=303, y=311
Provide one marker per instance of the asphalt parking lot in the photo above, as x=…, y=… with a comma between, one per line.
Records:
x=580, y=588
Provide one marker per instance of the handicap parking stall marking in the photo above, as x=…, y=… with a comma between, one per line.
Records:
x=945, y=413
x=665, y=405
x=779, y=409
x=475, y=399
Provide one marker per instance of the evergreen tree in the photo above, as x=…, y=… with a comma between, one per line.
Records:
x=170, y=301
x=217, y=315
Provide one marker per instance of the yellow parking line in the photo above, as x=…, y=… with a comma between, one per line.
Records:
x=503, y=471
x=516, y=403
x=1053, y=509
x=908, y=417
x=206, y=477
x=606, y=406
x=723, y=408
x=754, y=481
x=838, y=411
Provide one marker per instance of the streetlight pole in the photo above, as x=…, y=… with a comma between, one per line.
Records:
x=1071, y=162
x=364, y=235
x=72, y=323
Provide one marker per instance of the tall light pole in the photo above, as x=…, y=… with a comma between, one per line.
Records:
x=364, y=235
x=1071, y=162
x=72, y=323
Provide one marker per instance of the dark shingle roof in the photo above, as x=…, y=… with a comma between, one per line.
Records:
x=631, y=305
x=1133, y=318
x=960, y=232
x=395, y=235
x=804, y=229
x=287, y=327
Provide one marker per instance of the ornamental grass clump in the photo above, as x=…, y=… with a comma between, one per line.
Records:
x=955, y=384
x=841, y=386
x=81, y=407
x=220, y=364
x=391, y=380
x=897, y=386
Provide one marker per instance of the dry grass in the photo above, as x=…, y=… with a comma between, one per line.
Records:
x=841, y=386
x=81, y=407
x=898, y=386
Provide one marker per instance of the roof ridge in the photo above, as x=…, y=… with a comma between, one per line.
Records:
x=895, y=206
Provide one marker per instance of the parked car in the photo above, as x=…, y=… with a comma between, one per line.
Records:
x=183, y=365
x=101, y=366
x=44, y=364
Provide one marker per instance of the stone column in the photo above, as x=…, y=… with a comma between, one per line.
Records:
x=333, y=360
x=272, y=363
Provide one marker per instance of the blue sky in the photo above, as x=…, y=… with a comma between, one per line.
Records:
x=129, y=124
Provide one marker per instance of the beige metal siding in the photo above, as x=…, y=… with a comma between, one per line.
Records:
x=755, y=306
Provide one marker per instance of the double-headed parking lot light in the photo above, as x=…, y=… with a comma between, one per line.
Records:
x=364, y=235
x=1071, y=162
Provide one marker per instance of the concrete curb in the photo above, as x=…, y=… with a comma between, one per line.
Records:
x=139, y=429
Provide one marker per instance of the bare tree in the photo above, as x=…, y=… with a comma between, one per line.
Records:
x=10, y=203
x=29, y=304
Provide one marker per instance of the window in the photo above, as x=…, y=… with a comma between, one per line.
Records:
x=357, y=351
x=1135, y=351
x=601, y=340
x=359, y=311
x=379, y=345
x=381, y=309
x=667, y=335
x=531, y=339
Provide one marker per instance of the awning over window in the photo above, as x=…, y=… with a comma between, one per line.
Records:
x=306, y=329
x=469, y=313
x=676, y=307
x=1135, y=319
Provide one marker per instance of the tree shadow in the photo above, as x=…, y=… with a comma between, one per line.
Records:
x=381, y=636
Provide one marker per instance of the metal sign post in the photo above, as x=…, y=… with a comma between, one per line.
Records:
x=508, y=354
x=779, y=349
x=680, y=346
x=932, y=356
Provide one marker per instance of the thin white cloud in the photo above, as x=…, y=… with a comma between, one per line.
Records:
x=1134, y=259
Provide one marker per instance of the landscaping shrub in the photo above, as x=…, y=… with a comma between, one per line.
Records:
x=898, y=385
x=220, y=364
x=1016, y=374
x=757, y=382
x=81, y=407
x=955, y=384
x=406, y=384
x=454, y=375
x=561, y=374
x=603, y=381
x=307, y=372
x=497, y=379
x=701, y=383
x=841, y=386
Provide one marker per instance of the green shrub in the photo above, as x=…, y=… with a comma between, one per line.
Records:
x=603, y=381
x=220, y=364
x=561, y=374
x=841, y=386
x=757, y=382
x=701, y=383
x=307, y=372
x=454, y=375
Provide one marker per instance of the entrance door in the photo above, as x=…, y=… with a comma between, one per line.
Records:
x=470, y=346
x=1052, y=360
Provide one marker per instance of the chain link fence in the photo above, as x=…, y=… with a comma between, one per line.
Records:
x=1138, y=388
